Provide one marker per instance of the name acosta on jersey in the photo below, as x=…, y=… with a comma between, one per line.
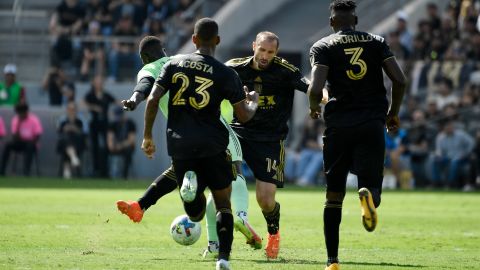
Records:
x=196, y=65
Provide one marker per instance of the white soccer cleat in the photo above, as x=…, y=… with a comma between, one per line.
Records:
x=211, y=252
x=189, y=187
x=223, y=265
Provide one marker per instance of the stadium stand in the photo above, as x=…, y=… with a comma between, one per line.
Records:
x=437, y=43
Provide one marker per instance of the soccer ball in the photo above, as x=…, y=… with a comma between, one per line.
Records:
x=184, y=231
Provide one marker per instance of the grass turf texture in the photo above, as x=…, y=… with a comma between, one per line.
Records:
x=56, y=224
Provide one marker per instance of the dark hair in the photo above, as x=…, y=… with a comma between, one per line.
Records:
x=152, y=46
x=343, y=5
x=21, y=108
x=206, y=29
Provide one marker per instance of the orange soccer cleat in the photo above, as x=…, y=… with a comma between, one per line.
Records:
x=273, y=245
x=131, y=209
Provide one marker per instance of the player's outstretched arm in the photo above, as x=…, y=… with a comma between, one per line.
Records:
x=315, y=89
x=150, y=113
x=245, y=109
x=140, y=93
x=399, y=82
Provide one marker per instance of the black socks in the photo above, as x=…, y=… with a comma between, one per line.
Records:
x=273, y=219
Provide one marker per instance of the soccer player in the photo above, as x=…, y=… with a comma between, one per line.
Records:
x=196, y=138
x=153, y=57
x=262, y=138
x=355, y=115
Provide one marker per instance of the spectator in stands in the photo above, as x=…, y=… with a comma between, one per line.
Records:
x=128, y=8
x=98, y=102
x=26, y=129
x=448, y=31
x=420, y=139
x=425, y=32
x=181, y=24
x=97, y=10
x=60, y=89
x=397, y=157
x=67, y=20
x=305, y=168
x=473, y=51
x=3, y=132
x=405, y=37
x=71, y=142
x=121, y=143
x=433, y=17
x=419, y=48
x=155, y=27
x=452, y=151
x=11, y=92
x=93, y=52
x=159, y=10
x=477, y=156
x=124, y=50
x=398, y=49
x=444, y=95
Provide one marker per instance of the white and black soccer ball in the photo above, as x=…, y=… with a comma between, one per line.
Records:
x=184, y=231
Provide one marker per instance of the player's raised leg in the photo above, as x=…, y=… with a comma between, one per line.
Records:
x=162, y=185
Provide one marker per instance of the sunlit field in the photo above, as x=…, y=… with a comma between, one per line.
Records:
x=58, y=224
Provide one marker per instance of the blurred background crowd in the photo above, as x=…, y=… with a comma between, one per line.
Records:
x=93, y=45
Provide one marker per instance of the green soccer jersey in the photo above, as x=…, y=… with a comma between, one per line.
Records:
x=152, y=70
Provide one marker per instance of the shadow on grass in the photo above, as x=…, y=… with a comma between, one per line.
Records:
x=383, y=264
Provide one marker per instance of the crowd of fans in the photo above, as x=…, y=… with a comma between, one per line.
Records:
x=91, y=41
x=93, y=37
x=438, y=145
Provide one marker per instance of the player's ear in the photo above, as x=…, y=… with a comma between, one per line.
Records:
x=217, y=41
x=356, y=20
x=331, y=21
x=254, y=44
x=194, y=39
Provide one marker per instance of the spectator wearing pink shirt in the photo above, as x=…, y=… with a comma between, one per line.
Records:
x=26, y=130
x=2, y=128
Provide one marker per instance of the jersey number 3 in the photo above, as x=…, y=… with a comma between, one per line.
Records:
x=356, y=61
x=205, y=83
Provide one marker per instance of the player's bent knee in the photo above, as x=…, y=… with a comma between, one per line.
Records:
x=196, y=209
x=335, y=196
x=224, y=210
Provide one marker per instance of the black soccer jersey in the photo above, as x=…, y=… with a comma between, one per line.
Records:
x=275, y=86
x=197, y=84
x=355, y=78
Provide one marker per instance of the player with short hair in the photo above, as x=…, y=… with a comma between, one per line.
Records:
x=355, y=115
x=262, y=138
x=196, y=138
x=153, y=57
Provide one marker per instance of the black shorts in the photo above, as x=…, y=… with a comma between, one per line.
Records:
x=265, y=159
x=215, y=172
x=359, y=149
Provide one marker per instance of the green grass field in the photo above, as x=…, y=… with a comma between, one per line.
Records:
x=57, y=224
